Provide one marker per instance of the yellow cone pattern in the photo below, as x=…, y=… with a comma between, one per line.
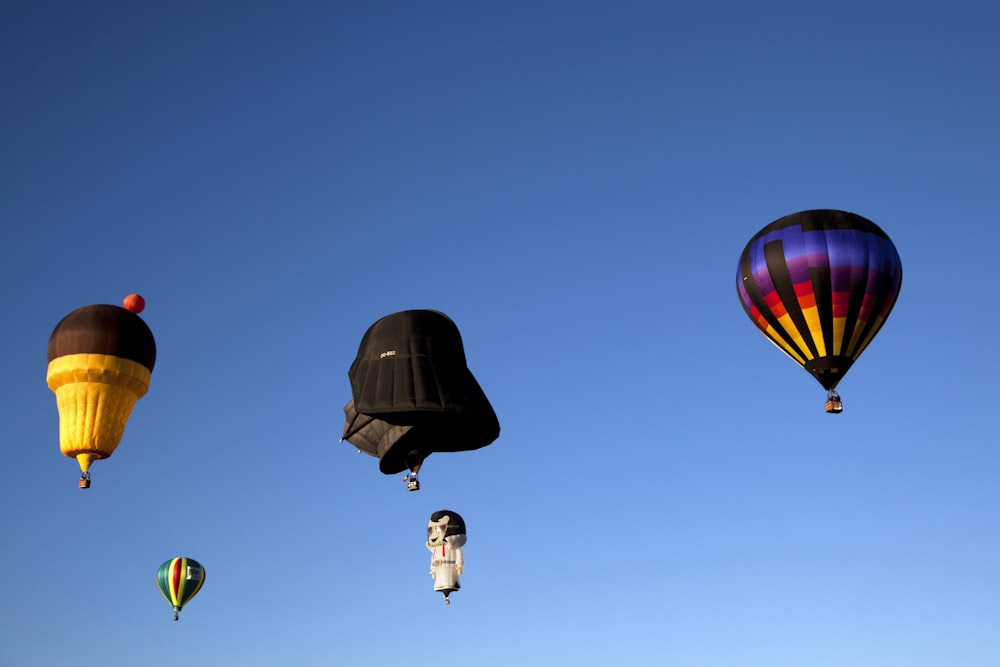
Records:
x=95, y=394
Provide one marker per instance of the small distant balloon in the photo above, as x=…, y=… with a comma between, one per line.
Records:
x=179, y=580
x=445, y=539
x=134, y=303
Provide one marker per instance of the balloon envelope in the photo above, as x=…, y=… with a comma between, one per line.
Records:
x=820, y=284
x=413, y=393
x=179, y=580
x=100, y=361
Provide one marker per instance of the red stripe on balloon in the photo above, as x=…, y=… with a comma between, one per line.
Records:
x=175, y=580
x=803, y=289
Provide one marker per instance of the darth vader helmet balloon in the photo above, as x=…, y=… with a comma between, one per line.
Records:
x=413, y=394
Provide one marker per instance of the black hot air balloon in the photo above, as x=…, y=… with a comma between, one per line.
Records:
x=820, y=284
x=413, y=394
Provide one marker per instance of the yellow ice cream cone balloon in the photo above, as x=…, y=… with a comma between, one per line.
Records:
x=100, y=361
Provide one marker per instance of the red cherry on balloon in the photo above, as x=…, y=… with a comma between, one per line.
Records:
x=134, y=303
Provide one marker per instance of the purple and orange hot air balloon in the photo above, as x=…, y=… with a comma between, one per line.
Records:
x=820, y=284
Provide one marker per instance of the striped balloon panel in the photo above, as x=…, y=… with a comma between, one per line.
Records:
x=820, y=284
x=179, y=579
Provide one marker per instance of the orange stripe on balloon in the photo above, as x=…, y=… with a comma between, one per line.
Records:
x=772, y=299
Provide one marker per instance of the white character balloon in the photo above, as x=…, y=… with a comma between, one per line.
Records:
x=445, y=538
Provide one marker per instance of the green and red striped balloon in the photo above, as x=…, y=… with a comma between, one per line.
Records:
x=180, y=579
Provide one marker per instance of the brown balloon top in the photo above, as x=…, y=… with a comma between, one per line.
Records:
x=104, y=329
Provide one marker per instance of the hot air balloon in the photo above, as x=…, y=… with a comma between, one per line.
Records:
x=100, y=361
x=179, y=580
x=445, y=539
x=413, y=394
x=820, y=284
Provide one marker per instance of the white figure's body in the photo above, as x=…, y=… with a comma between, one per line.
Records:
x=446, y=564
x=447, y=559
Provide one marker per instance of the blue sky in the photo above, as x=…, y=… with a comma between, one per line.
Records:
x=572, y=183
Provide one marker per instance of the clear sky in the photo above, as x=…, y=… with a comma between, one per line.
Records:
x=572, y=183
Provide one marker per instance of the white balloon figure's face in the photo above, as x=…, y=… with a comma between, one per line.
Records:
x=436, y=531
